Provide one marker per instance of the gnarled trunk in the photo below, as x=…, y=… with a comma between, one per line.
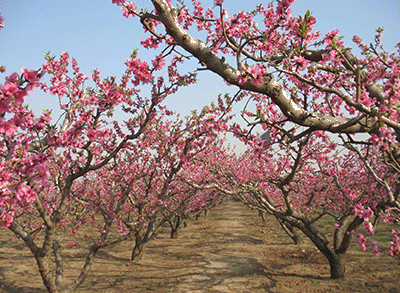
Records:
x=46, y=274
x=337, y=265
x=138, y=250
x=290, y=231
x=174, y=233
x=143, y=236
x=175, y=224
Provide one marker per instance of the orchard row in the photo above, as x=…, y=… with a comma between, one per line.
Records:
x=121, y=162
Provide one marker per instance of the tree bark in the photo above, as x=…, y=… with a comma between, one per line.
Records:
x=174, y=232
x=175, y=225
x=337, y=265
x=138, y=250
x=290, y=231
x=336, y=258
x=46, y=273
x=261, y=214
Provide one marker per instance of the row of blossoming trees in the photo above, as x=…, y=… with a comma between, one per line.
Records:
x=306, y=181
x=128, y=177
x=304, y=88
x=89, y=167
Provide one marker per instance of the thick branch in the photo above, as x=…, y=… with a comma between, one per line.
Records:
x=270, y=87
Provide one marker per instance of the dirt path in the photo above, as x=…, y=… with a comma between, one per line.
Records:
x=230, y=250
x=226, y=264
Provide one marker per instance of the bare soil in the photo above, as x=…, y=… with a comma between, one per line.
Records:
x=230, y=250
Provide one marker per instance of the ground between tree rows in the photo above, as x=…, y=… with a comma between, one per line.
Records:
x=229, y=250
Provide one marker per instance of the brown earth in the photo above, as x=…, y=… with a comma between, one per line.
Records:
x=230, y=250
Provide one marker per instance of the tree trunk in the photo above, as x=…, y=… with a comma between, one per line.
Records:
x=261, y=214
x=46, y=274
x=290, y=231
x=338, y=266
x=175, y=225
x=295, y=235
x=142, y=238
x=138, y=250
x=174, y=232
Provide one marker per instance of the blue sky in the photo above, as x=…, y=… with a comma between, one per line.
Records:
x=98, y=36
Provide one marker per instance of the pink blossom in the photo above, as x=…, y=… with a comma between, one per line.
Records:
x=1, y=22
x=366, y=213
x=218, y=3
x=7, y=128
x=158, y=62
x=24, y=193
x=358, y=208
x=395, y=248
x=330, y=36
x=151, y=42
x=368, y=227
x=357, y=39
x=283, y=5
x=301, y=61
x=73, y=244
x=129, y=9
x=375, y=249
x=362, y=241
x=140, y=69
x=6, y=218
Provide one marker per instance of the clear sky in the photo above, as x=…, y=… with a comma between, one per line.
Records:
x=98, y=36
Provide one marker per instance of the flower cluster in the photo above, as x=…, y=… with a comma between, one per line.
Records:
x=395, y=248
x=140, y=70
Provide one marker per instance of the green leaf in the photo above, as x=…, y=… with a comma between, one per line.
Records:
x=143, y=11
x=49, y=57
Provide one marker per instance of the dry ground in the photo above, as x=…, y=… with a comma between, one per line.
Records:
x=230, y=250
